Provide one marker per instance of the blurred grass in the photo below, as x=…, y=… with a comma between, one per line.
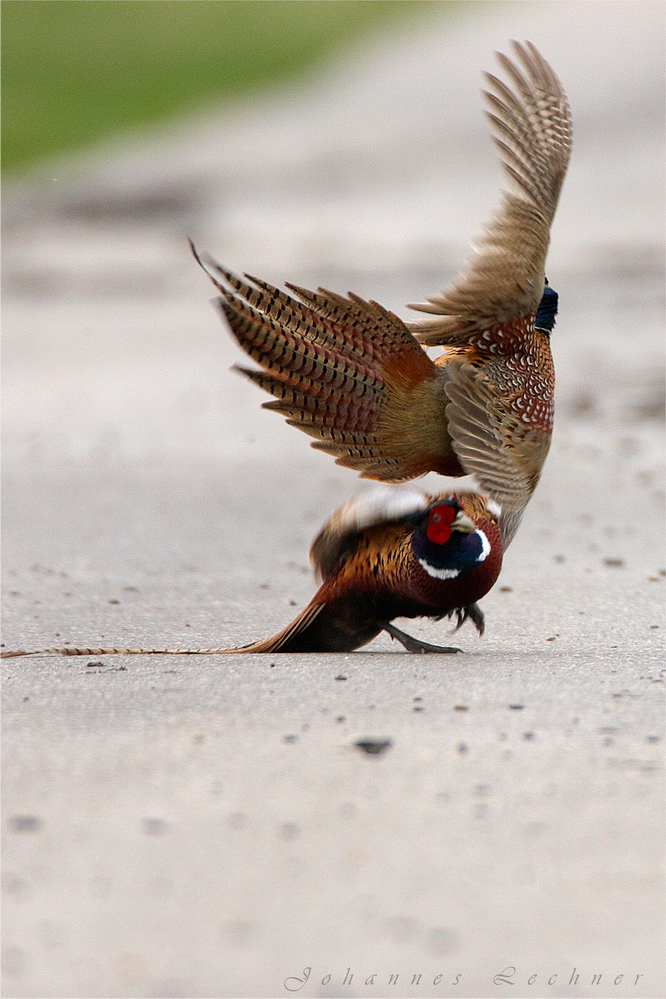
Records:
x=74, y=71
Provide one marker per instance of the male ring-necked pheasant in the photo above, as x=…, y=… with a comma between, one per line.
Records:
x=352, y=374
x=386, y=554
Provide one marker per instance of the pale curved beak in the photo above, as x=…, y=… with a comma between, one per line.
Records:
x=463, y=523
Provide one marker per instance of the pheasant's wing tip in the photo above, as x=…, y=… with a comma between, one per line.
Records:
x=195, y=253
x=240, y=370
x=208, y=263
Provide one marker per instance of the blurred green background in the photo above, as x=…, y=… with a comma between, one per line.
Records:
x=74, y=71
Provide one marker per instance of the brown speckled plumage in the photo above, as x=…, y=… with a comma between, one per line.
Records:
x=351, y=374
x=371, y=573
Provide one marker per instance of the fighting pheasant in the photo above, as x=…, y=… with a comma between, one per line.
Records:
x=386, y=554
x=352, y=374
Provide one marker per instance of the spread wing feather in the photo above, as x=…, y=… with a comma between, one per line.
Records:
x=352, y=375
x=343, y=370
x=504, y=280
x=478, y=440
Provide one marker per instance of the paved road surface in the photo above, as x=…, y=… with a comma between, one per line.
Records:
x=178, y=827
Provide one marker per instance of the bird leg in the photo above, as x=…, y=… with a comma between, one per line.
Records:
x=413, y=644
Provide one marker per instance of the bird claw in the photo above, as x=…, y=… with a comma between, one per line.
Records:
x=414, y=644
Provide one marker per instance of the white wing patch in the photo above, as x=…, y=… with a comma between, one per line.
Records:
x=494, y=507
x=378, y=506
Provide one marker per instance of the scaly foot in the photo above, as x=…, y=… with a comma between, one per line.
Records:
x=414, y=645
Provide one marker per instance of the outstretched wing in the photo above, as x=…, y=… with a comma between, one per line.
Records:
x=504, y=280
x=481, y=428
x=345, y=371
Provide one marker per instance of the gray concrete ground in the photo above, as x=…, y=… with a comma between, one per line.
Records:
x=208, y=827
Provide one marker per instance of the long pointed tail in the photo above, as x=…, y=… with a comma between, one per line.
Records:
x=345, y=371
x=70, y=650
x=314, y=630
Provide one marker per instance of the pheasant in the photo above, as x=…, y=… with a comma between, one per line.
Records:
x=386, y=554
x=352, y=375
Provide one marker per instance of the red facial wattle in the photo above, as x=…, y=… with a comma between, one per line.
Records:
x=438, y=527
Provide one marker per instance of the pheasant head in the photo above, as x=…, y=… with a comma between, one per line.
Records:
x=447, y=542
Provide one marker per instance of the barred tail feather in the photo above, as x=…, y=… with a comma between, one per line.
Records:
x=71, y=650
x=311, y=631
